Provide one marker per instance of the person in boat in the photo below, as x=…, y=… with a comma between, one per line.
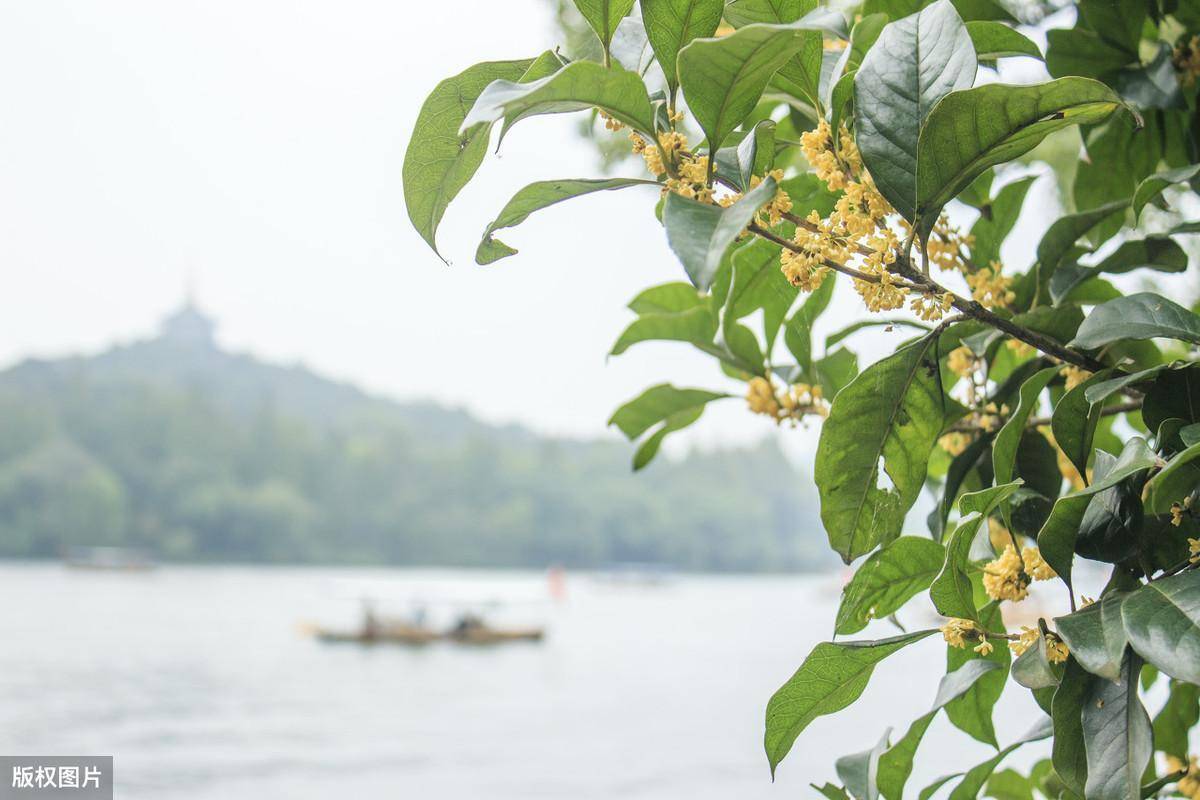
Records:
x=371, y=627
x=466, y=624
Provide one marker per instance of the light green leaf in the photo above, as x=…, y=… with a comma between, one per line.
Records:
x=1062, y=235
x=971, y=131
x=972, y=712
x=1004, y=449
x=930, y=790
x=951, y=590
x=700, y=233
x=1137, y=316
x=759, y=283
x=740, y=13
x=798, y=335
x=696, y=325
x=1056, y=539
x=995, y=40
x=657, y=404
x=1151, y=187
x=667, y=297
x=1095, y=636
x=896, y=764
x=1159, y=253
x=1174, y=483
x=579, y=86
x=1162, y=621
x=1107, y=388
x=854, y=327
x=892, y=412
x=1177, y=718
x=537, y=196
x=754, y=155
x=648, y=449
x=832, y=677
x=630, y=47
x=603, y=16
x=887, y=580
x=724, y=78
x=1032, y=668
x=972, y=783
x=914, y=63
x=439, y=161
x=1116, y=735
x=996, y=220
x=672, y=24
x=859, y=771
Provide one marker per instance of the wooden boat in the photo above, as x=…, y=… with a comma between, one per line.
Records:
x=410, y=635
x=486, y=635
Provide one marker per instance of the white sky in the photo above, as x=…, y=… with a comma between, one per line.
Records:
x=257, y=145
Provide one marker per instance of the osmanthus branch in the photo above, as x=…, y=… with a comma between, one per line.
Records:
x=1037, y=422
x=919, y=282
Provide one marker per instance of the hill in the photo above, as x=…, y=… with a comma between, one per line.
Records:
x=194, y=453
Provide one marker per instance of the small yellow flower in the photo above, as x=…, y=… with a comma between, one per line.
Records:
x=961, y=361
x=610, y=123
x=1035, y=566
x=1177, y=514
x=984, y=648
x=990, y=288
x=1056, y=649
x=1186, y=59
x=1189, y=784
x=1028, y=639
x=956, y=632
x=1004, y=579
x=760, y=396
x=1194, y=551
x=954, y=443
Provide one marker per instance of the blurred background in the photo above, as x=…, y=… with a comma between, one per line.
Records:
x=257, y=442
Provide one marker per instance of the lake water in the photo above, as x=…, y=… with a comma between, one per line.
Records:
x=203, y=684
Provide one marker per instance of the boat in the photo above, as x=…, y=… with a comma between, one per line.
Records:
x=473, y=633
x=387, y=634
x=113, y=559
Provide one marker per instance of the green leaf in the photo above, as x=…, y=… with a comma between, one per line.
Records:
x=439, y=161
x=603, y=16
x=1175, y=482
x=972, y=712
x=1162, y=621
x=630, y=48
x=1068, y=754
x=1032, y=668
x=1190, y=435
x=724, y=78
x=697, y=326
x=1074, y=421
x=667, y=297
x=537, y=196
x=1004, y=449
x=1176, y=719
x=1056, y=539
x=831, y=791
x=834, y=371
x=1095, y=636
x=759, y=283
x=657, y=404
x=930, y=790
x=914, y=63
x=1137, y=316
x=1082, y=52
x=579, y=86
x=754, y=155
x=832, y=677
x=798, y=335
x=854, y=327
x=951, y=591
x=858, y=771
x=892, y=412
x=895, y=765
x=740, y=13
x=996, y=220
x=1175, y=393
x=1116, y=736
x=672, y=24
x=972, y=783
x=1151, y=187
x=887, y=580
x=648, y=449
x=1159, y=253
x=971, y=131
x=1062, y=235
x=1105, y=389
x=995, y=40
x=700, y=233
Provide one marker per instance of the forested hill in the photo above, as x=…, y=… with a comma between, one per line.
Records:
x=196, y=454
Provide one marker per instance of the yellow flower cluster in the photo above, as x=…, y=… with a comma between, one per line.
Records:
x=1019, y=349
x=929, y=306
x=1180, y=511
x=772, y=213
x=815, y=245
x=1189, y=784
x=955, y=443
x=1186, y=59
x=817, y=146
x=1056, y=649
x=609, y=122
x=962, y=361
x=945, y=245
x=990, y=288
x=960, y=632
x=990, y=419
x=670, y=143
x=1075, y=376
x=1194, y=551
x=1008, y=577
x=789, y=404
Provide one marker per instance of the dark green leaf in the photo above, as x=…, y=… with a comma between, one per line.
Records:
x=1159, y=253
x=831, y=791
x=1074, y=421
x=1062, y=235
x=997, y=219
x=537, y=196
x=1153, y=186
x=1175, y=482
x=972, y=712
x=1032, y=668
x=1082, y=52
x=887, y=580
x=798, y=334
x=758, y=283
x=914, y=63
x=579, y=86
x=972, y=783
x=1056, y=540
x=970, y=131
x=832, y=677
x=1137, y=316
x=951, y=591
x=1105, y=389
x=648, y=449
x=892, y=412
x=930, y=790
x=1162, y=621
x=1095, y=636
x=701, y=233
x=440, y=161
x=603, y=16
x=1004, y=449
x=657, y=404
x=672, y=24
x=1068, y=753
x=895, y=765
x=835, y=371
x=995, y=40
x=754, y=155
x=1175, y=393
x=854, y=327
x=1116, y=736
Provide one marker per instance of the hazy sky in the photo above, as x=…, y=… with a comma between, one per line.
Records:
x=257, y=146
